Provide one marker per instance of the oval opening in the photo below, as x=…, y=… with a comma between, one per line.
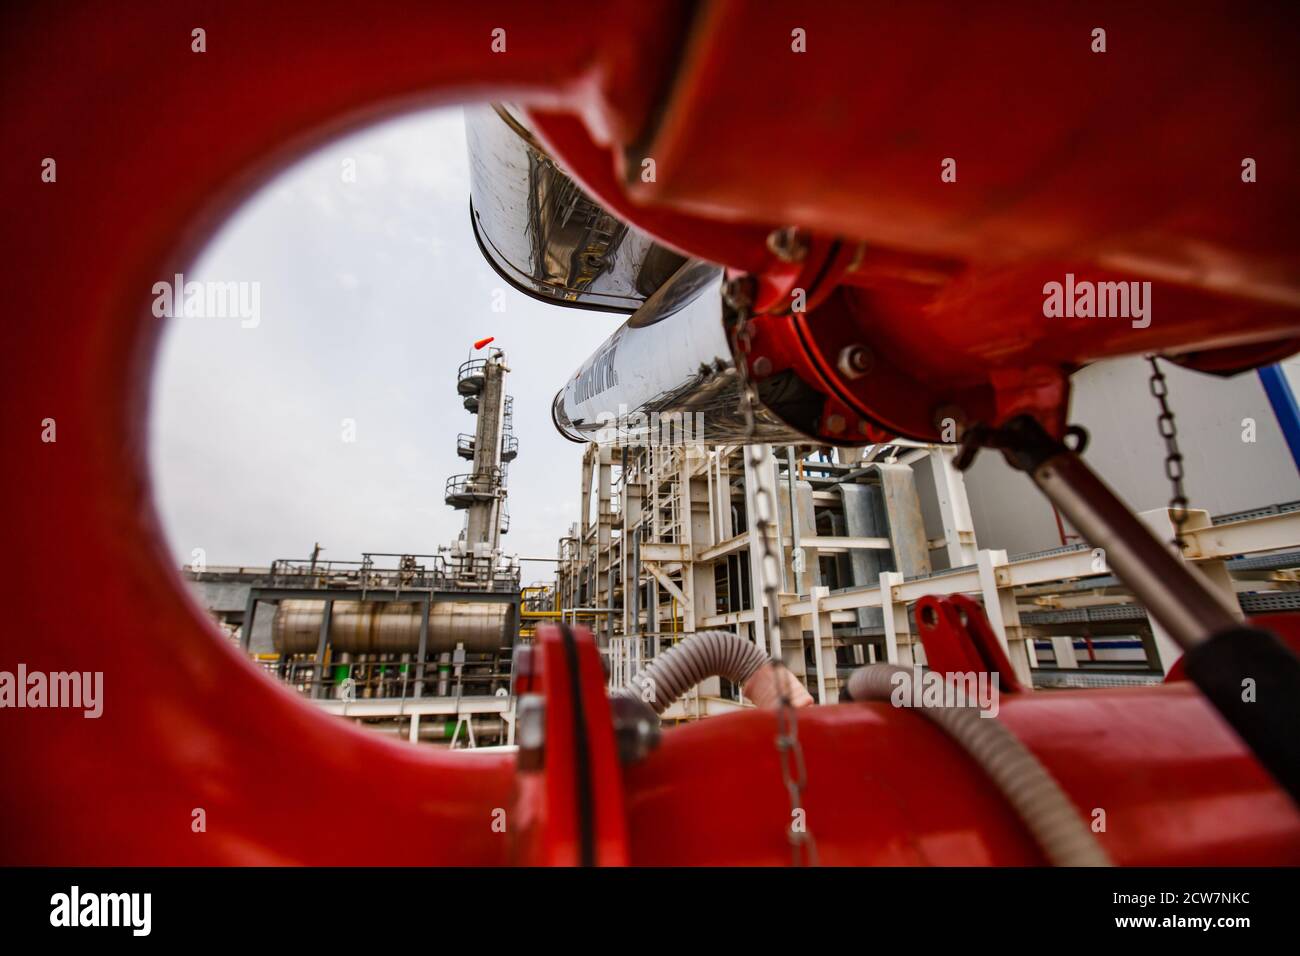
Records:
x=309, y=429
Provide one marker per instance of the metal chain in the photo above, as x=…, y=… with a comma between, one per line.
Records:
x=740, y=343
x=794, y=774
x=1173, y=457
x=757, y=458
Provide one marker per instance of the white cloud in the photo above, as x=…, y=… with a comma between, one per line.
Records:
x=371, y=295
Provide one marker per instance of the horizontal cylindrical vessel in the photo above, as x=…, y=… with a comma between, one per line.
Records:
x=384, y=627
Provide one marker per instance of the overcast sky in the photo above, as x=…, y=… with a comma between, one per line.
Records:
x=371, y=294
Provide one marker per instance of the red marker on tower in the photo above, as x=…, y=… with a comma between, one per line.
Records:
x=482, y=342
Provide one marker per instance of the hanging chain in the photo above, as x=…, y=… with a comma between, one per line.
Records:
x=739, y=296
x=1173, y=457
x=756, y=455
x=794, y=775
x=794, y=772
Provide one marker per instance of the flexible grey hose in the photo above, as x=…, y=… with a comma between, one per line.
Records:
x=1042, y=805
x=703, y=655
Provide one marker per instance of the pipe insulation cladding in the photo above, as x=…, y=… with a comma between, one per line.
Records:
x=383, y=627
x=542, y=234
x=668, y=376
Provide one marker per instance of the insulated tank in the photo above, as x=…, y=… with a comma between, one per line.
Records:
x=383, y=627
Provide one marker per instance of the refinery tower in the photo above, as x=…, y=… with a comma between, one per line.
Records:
x=419, y=645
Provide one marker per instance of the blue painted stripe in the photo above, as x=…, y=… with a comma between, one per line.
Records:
x=1280, y=396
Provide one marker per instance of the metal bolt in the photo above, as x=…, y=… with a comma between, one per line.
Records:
x=855, y=361
x=530, y=732
x=636, y=728
x=762, y=366
x=835, y=424
x=788, y=244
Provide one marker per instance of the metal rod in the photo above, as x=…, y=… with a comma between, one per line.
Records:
x=320, y=647
x=1173, y=593
x=635, y=581
x=250, y=612
x=423, y=650
x=794, y=522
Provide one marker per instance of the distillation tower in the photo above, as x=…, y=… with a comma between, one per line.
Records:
x=481, y=493
x=415, y=644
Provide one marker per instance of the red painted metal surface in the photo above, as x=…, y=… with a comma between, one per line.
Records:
x=958, y=640
x=155, y=144
x=1116, y=166
x=886, y=787
x=552, y=808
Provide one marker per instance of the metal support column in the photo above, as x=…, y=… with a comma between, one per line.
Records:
x=320, y=648
x=1002, y=613
x=422, y=653
x=246, y=631
x=823, y=655
x=895, y=620
x=1214, y=575
x=954, y=507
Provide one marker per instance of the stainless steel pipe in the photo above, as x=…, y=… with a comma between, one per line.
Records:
x=1173, y=593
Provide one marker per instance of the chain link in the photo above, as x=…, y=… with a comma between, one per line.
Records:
x=741, y=341
x=757, y=456
x=1173, y=457
x=794, y=774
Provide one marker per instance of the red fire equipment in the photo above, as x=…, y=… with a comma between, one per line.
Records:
x=814, y=173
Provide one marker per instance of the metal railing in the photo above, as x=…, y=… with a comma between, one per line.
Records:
x=474, y=486
x=388, y=680
x=430, y=572
x=218, y=570
x=470, y=376
x=465, y=445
